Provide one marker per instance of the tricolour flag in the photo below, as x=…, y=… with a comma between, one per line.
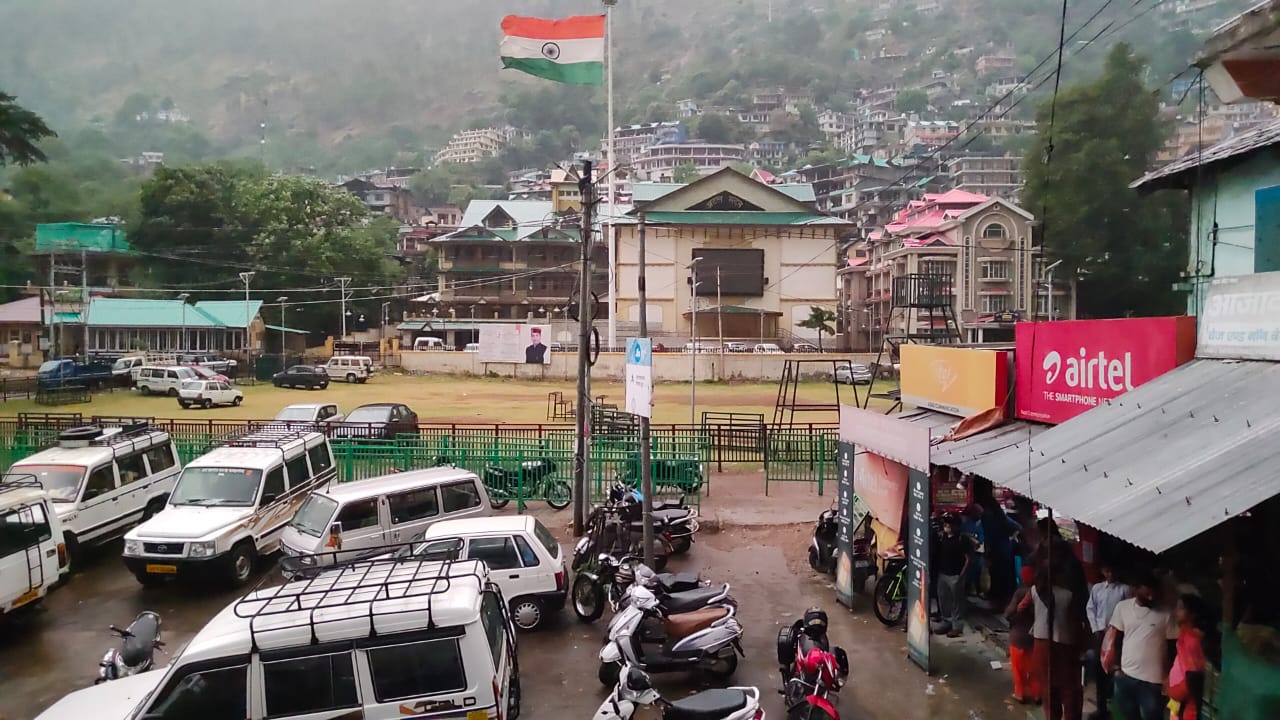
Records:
x=569, y=50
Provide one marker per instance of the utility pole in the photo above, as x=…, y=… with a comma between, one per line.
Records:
x=54, y=348
x=646, y=465
x=342, y=284
x=84, y=303
x=245, y=277
x=720, y=320
x=582, y=458
x=693, y=342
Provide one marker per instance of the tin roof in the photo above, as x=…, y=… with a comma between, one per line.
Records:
x=1173, y=174
x=138, y=312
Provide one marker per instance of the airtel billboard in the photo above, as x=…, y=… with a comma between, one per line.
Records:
x=1064, y=368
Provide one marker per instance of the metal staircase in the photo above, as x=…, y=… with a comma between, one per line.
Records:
x=922, y=309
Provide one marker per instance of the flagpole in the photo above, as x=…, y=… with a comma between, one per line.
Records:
x=612, y=179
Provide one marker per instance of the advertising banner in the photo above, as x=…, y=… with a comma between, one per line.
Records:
x=1241, y=318
x=956, y=381
x=891, y=438
x=1065, y=368
x=917, y=547
x=639, y=377
x=515, y=343
x=882, y=485
x=845, y=510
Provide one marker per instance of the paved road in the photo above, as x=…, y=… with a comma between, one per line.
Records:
x=57, y=651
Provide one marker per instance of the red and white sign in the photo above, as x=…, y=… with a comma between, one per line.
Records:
x=1065, y=368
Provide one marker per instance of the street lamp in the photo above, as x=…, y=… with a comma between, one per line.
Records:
x=282, y=299
x=1049, y=272
x=182, y=339
x=693, y=340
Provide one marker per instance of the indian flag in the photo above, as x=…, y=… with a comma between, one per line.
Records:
x=568, y=50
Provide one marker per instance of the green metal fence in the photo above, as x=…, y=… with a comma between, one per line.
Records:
x=680, y=462
x=807, y=457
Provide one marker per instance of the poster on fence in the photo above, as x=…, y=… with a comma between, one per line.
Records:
x=515, y=343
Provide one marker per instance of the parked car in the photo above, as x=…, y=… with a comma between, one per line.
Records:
x=319, y=413
x=213, y=362
x=803, y=347
x=103, y=481
x=309, y=377
x=158, y=380
x=471, y=347
x=423, y=344
x=378, y=421
x=524, y=556
x=229, y=508
x=735, y=347
x=702, y=347
x=125, y=370
x=352, y=368
x=767, y=349
x=33, y=552
x=207, y=393
x=353, y=520
x=205, y=373
x=73, y=373
x=380, y=639
x=854, y=374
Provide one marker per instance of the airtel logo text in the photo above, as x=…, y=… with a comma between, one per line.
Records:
x=1085, y=371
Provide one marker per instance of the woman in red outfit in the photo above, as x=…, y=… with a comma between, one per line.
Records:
x=1026, y=685
x=1186, y=679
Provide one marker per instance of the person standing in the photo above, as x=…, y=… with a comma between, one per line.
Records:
x=1058, y=631
x=1186, y=679
x=1143, y=632
x=1103, y=599
x=955, y=558
x=972, y=528
x=1026, y=688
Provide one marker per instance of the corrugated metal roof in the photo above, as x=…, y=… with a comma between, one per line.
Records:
x=137, y=312
x=970, y=453
x=1241, y=144
x=18, y=312
x=1162, y=463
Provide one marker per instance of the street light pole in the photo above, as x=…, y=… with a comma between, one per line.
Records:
x=182, y=338
x=1049, y=271
x=646, y=467
x=693, y=342
x=248, y=344
x=282, y=300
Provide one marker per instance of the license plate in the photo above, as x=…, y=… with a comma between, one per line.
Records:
x=26, y=597
x=162, y=569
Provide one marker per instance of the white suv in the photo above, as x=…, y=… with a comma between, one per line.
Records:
x=157, y=380
x=103, y=481
x=33, y=555
x=351, y=368
x=230, y=507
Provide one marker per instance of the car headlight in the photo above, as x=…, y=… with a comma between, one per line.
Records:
x=132, y=547
x=308, y=560
x=203, y=549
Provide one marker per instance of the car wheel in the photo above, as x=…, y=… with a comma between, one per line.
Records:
x=173, y=392
x=74, y=554
x=184, y=405
x=144, y=390
x=526, y=613
x=351, y=377
x=513, y=698
x=240, y=563
x=153, y=508
x=238, y=399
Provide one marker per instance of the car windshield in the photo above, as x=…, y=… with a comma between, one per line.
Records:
x=296, y=413
x=193, y=385
x=236, y=487
x=314, y=515
x=369, y=414
x=299, y=370
x=202, y=372
x=48, y=366
x=122, y=364
x=545, y=537
x=61, y=482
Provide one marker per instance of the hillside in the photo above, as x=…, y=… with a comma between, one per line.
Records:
x=403, y=74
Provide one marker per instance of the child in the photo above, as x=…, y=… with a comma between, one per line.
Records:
x=1026, y=689
x=1186, y=680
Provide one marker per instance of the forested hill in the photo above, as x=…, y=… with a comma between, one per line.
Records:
x=321, y=71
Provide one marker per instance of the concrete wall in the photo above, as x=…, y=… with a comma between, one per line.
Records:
x=669, y=367
x=1227, y=198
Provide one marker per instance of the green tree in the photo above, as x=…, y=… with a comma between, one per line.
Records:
x=820, y=320
x=431, y=187
x=20, y=130
x=685, y=173
x=1126, y=250
x=717, y=128
x=911, y=101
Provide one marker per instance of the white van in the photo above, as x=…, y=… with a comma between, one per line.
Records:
x=352, y=368
x=378, y=640
x=428, y=343
x=33, y=555
x=342, y=520
x=103, y=481
x=230, y=506
x=525, y=557
x=157, y=380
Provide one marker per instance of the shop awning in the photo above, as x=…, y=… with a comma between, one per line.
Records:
x=1162, y=463
x=972, y=453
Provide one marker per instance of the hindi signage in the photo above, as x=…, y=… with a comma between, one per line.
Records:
x=1241, y=318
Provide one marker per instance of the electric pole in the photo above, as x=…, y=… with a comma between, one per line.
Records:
x=342, y=284
x=582, y=458
x=646, y=465
x=245, y=277
x=84, y=302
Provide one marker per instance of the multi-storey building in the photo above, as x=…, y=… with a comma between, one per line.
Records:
x=998, y=63
x=929, y=134
x=630, y=141
x=395, y=200
x=471, y=146
x=659, y=162
x=996, y=176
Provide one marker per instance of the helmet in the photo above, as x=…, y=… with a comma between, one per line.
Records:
x=626, y=574
x=617, y=492
x=815, y=622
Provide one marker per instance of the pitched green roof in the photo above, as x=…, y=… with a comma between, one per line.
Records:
x=712, y=217
x=136, y=312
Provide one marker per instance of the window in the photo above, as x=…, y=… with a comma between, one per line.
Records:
x=995, y=270
x=459, y=496
x=320, y=460
x=495, y=624
x=172, y=374
x=527, y=555
x=994, y=230
x=359, y=514
x=299, y=686
x=23, y=527
x=995, y=303
x=132, y=468
x=498, y=553
x=545, y=537
x=202, y=695
x=413, y=505
x=101, y=481
x=416, y=670
x=298, y=472
x=274, y=486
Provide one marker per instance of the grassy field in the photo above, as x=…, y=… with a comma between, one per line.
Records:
x=465, y=399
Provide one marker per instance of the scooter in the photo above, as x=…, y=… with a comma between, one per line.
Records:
x=672, y=520
x=709, y=639
x=611, y=578
x=137, y=651
x=822, y=550
x=633, y=690
x=812, y=672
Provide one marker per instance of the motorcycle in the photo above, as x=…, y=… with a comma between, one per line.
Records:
x=534, y=478
x=633, y=690
x=822, y=551
x=683, y=475
x=609, y=581
x=673, y=520
x=709, y=639
x=609, y=533
x=812, y=672
x=136, y=653
x=889, y=598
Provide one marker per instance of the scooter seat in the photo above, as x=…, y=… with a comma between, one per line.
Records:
x=669, y=515
x=683, y=625
x=707, y=705
x=680, y=582
x=136, y=649
x=691, y=599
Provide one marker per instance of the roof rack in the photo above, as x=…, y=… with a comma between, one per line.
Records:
x=128, y=433
x=369, y=586
x=267, y=437
x=12, y=482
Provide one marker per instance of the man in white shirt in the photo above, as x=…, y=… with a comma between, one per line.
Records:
x=1143, y=635
x=1103, y=598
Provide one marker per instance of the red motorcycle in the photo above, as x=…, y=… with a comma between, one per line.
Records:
x=812, y=672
